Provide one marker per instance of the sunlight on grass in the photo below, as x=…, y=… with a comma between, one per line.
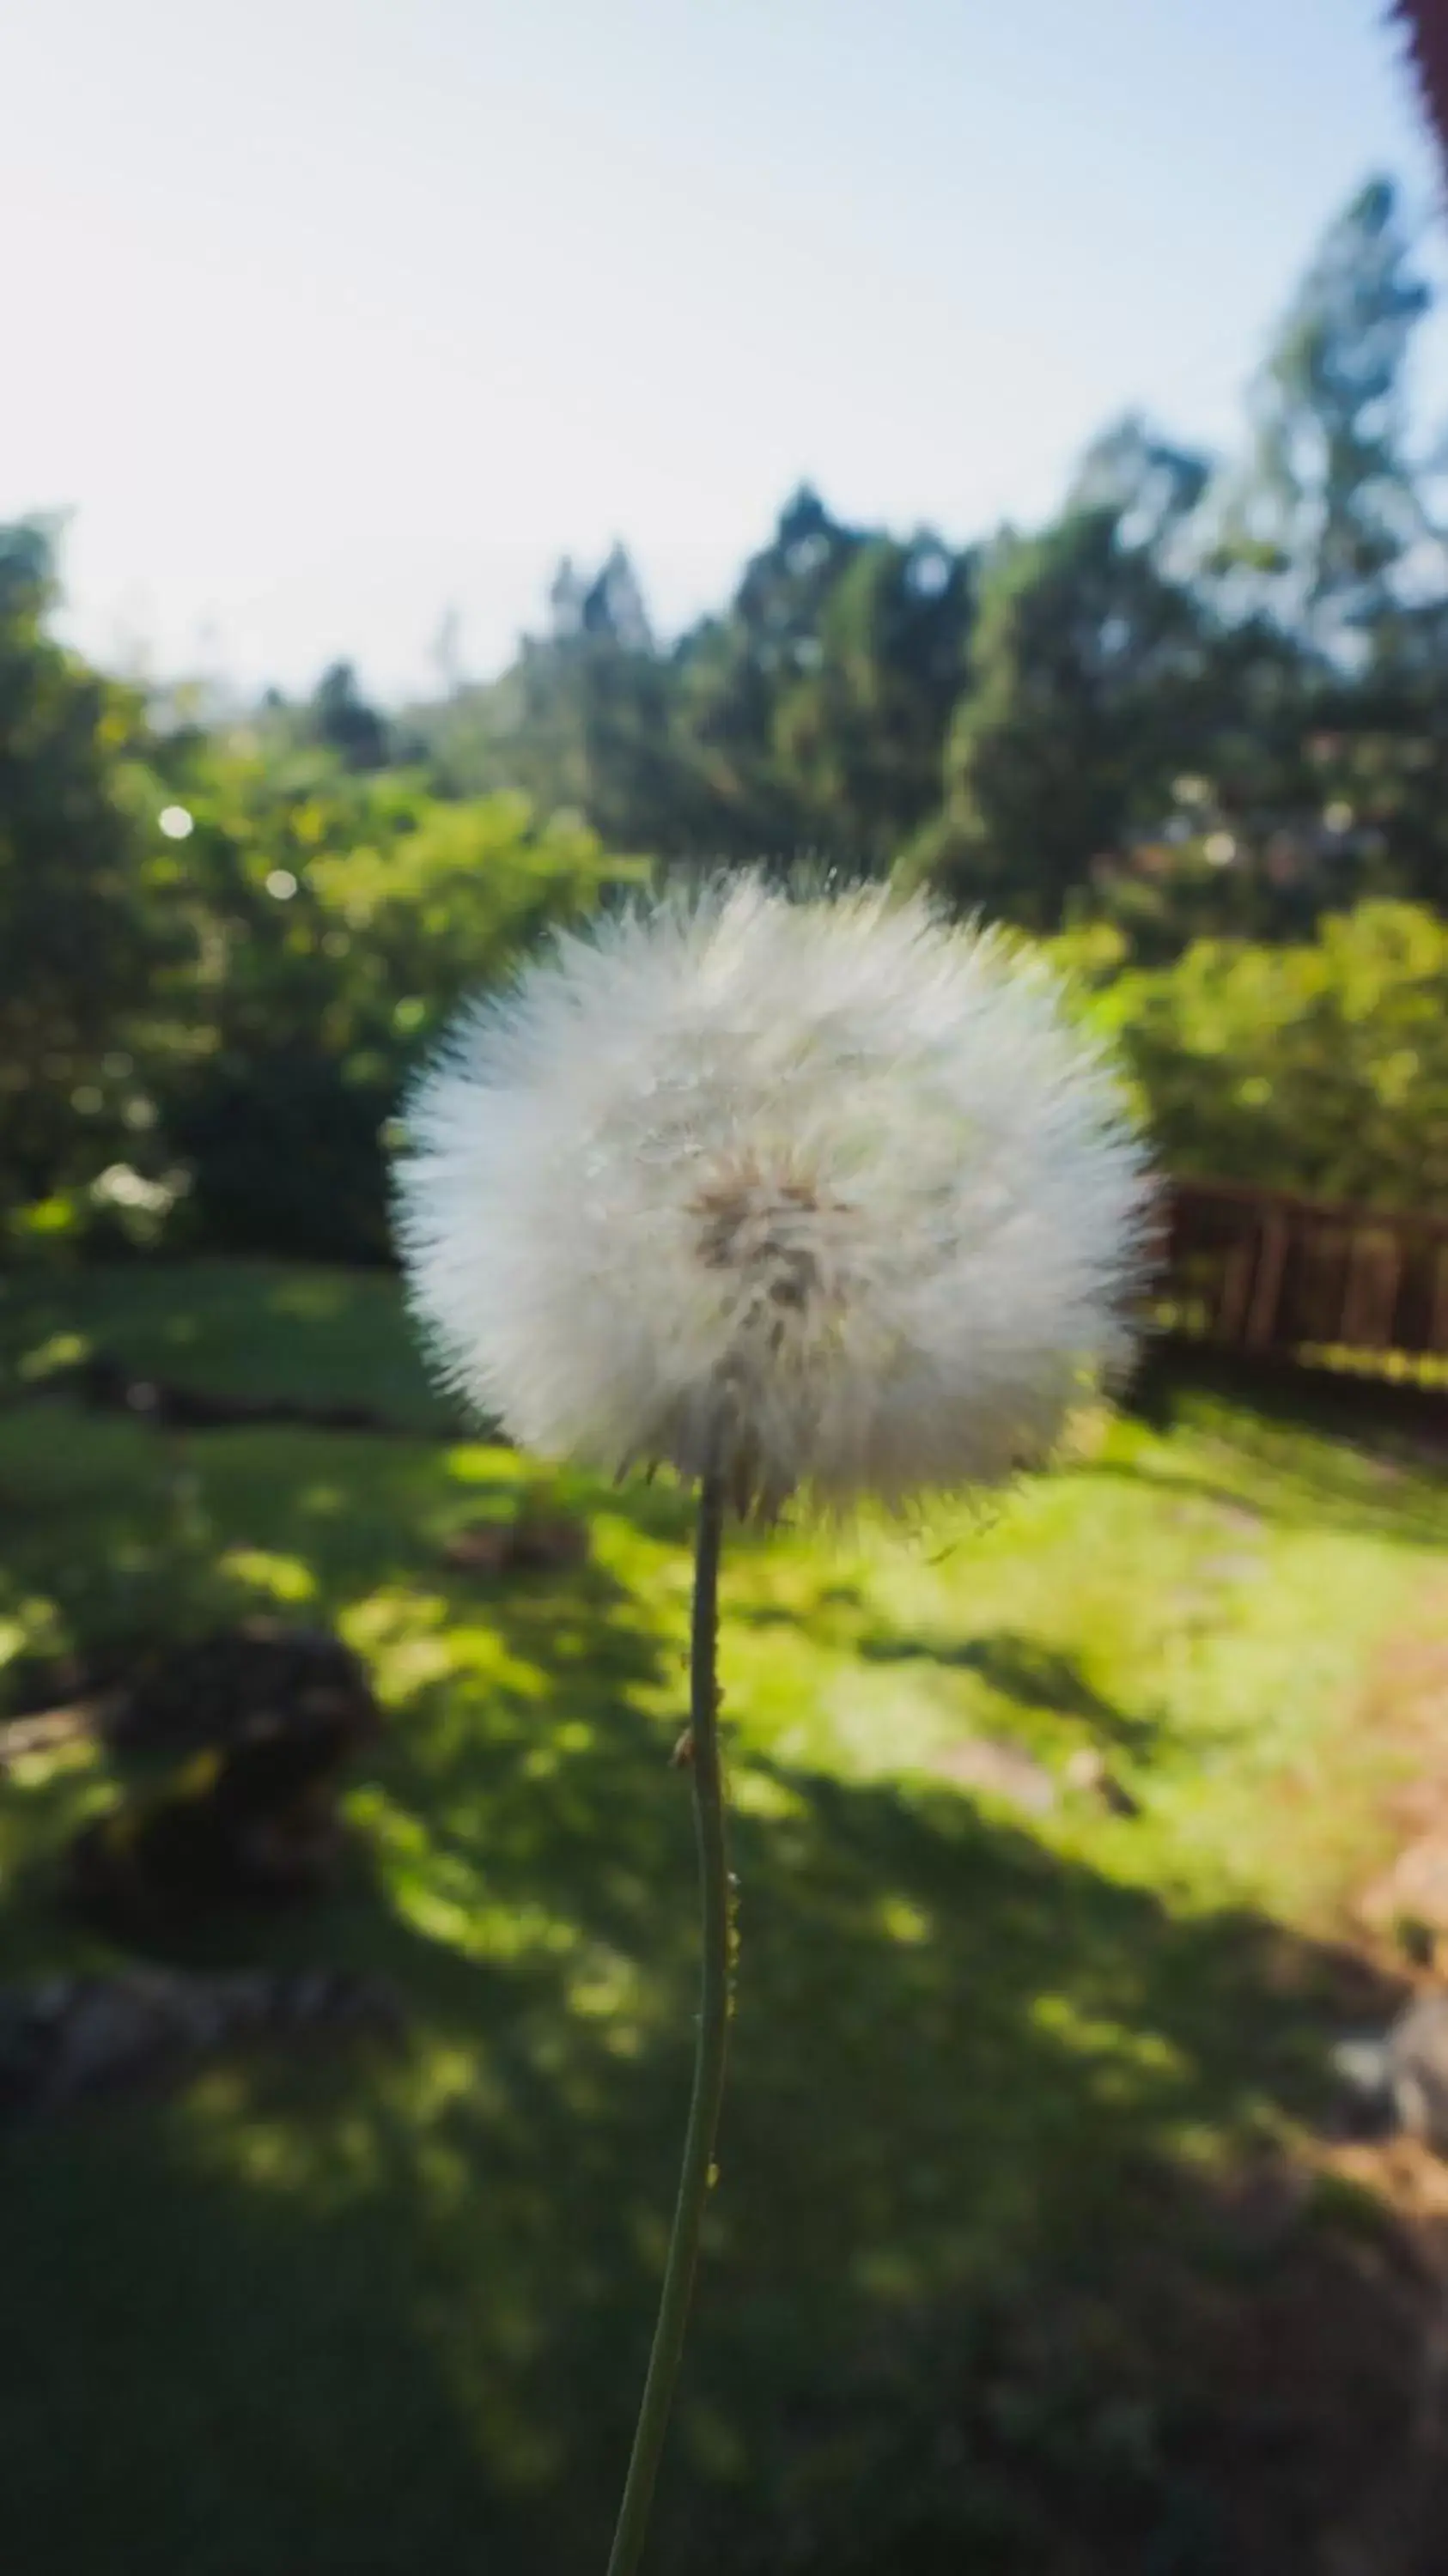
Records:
x=965, y=2014
x=241, y=1328
x=283, y=1579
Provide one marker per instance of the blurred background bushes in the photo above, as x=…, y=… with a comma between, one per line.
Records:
x=1194, y=733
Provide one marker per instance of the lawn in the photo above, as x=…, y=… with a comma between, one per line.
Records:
x=376, y=2313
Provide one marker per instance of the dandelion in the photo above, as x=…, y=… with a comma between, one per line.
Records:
x=815, y=1200
x=827, y=1187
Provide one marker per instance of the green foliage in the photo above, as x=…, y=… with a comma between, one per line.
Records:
x=222, y=952
x=83, y=920
x=1321, y=1068
x=209, y=1020
x=338, y=921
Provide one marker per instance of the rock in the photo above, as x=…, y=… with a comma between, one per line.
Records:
x=549, y=1545
x=1257, y=2207
x=71, y=2039
x=1413, y=1891
x=274, y=1715
x=534, y=1543
x=1400, y=2081
x=1001, y=1770
x=106, y=1385
x=483, y=1549
x=1089, y=1771
x=242, y=1685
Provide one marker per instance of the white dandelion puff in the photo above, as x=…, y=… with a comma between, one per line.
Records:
x=824, y=1192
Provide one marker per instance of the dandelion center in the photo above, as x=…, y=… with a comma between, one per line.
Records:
x=776, y=1237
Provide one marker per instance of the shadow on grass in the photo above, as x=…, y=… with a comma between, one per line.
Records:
x=361, y=2317
x=1030, y=1673
x=1356, y=1497
x=227, y=1328
x=1349, y=1453
x=1342, y=1404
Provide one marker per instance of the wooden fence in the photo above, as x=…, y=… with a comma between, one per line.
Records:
x=1264, y=1272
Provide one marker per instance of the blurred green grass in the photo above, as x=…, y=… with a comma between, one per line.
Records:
x=314, y=1335
x=356, y=2316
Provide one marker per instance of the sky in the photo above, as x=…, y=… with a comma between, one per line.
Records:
x=326, y=318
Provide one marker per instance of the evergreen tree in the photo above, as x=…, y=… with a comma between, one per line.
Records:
x=859, y=733
x=1085, y=676
x=340, y=717
x=583, y=720
x=1326, y=524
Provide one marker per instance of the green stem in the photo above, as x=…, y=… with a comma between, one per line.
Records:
x=658, y=2396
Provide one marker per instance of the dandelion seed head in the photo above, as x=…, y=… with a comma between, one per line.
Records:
x=823, y=1190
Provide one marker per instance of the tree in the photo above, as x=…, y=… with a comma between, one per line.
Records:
x=83, y=877
x=1329, y=569
x=734, y=673
x=581, y=723
x=1326, y=525
x=1152, y=487
x=1084, y=680
x=857, y=734
x=340, y=717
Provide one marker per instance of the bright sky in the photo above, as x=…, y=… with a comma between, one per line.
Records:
x=324, y=316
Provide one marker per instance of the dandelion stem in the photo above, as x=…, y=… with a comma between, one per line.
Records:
x=709, y=2054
